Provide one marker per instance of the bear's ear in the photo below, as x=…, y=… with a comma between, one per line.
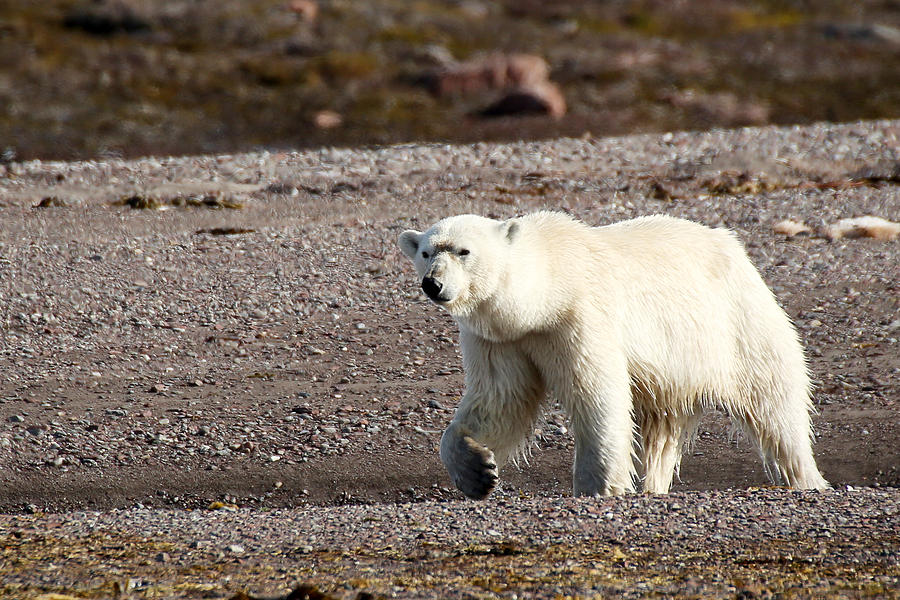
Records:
x=510, y=229
x=409, y=242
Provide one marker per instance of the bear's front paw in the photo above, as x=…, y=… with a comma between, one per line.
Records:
x=472, y=467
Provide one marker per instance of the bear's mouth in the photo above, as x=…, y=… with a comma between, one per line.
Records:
x=437, y=298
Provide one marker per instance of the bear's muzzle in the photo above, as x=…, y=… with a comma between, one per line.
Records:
x=432, y=288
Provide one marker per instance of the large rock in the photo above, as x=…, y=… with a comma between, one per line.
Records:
x=523, y=79
x=492, y=72
x=543, y=97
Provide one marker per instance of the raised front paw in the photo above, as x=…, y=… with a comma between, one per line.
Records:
x=471, y=465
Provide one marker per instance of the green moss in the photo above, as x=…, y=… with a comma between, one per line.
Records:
x=275, y=71
x=743, y=19
x=340, y=65
x=643, y=21
x=591, y=24
x=409, y=35
x=375, y=106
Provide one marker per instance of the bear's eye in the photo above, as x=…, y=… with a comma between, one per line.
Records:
x=424, y=254
x=463, y=252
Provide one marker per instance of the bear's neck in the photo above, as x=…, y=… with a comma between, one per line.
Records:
x=507, y=319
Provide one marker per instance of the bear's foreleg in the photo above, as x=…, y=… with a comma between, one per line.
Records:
x=471, y=464
x=496, y=416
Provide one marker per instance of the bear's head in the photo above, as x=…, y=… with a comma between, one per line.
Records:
x=461, y=260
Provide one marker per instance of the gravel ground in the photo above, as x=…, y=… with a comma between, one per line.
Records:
x=746, y=544
x=255, y=339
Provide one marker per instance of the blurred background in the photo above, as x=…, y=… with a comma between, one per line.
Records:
x=89, y=78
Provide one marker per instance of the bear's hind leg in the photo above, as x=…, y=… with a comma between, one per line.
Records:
x=663, y=437
x=603, y=427
x=783, y=433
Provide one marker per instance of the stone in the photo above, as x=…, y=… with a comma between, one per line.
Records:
x=540, y=98
x=495, y=71
x=327, y=119
x=864, y=227
x=307, y=10
x=790, y=228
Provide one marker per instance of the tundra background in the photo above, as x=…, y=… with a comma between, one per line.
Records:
x=83, y=78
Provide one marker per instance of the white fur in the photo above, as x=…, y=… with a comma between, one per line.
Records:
x=635, y=328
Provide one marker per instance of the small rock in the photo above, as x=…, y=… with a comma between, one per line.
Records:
x=860, y=227
x=308, y=10
x=17, y=419
x=327, y=119
x=790, y=228
x=236, y=549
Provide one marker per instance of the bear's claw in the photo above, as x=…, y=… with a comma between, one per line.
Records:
x=474, y=469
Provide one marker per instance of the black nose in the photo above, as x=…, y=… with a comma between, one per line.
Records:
x=432, y=287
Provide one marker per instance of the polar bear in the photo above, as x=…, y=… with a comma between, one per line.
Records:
x=636, y=328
